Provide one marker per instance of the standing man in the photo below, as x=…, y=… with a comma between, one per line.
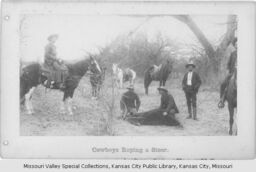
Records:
x=190, y=84
x=130, y=102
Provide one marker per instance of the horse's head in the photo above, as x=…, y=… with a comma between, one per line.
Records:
x=94, y=66
x=168, y=65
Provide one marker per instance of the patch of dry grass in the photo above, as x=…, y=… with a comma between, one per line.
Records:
x=91, y=115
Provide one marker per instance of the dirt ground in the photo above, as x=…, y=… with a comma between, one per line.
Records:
x=89, y=115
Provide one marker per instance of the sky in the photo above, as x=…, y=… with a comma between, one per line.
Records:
x=81, y=34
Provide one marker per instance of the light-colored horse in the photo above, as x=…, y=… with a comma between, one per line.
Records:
x=122, y=76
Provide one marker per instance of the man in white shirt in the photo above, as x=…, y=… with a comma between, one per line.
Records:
x=189, y=80
x=190, y=84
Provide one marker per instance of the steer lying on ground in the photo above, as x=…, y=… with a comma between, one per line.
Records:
x=153, y=117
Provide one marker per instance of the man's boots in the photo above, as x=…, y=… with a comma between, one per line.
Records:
x=189, y=112
x=194, y=114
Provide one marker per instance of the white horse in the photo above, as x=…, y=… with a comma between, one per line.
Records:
x=122, y=76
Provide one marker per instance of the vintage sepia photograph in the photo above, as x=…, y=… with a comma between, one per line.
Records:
x=127, y=80
x=128, y=75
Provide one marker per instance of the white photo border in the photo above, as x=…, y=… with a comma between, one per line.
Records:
x=13, y=145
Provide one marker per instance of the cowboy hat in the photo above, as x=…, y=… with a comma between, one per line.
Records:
x=52, y=36
x=130, y=87
x=190, y=64
x=162, y=88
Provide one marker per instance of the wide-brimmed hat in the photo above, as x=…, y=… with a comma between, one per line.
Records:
x=52, y=36
x=130, y=87
x=190, y=64
x=162, y=88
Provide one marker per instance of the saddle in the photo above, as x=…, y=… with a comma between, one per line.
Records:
x=54, y=76
x=155, y=71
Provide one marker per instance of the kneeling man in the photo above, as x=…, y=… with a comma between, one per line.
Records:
x=164, y=115
x=130, y=102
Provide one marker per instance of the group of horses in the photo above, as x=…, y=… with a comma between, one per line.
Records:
x=31, y=76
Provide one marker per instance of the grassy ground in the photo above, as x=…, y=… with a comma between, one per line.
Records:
x=90, y=115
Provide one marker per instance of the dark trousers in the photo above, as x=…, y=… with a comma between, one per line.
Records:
x=191, y=99
x=191, y=102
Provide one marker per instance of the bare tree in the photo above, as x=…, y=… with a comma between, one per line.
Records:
x=107, y=100
x=221, y=51
x=201, y=37
x=217, y=55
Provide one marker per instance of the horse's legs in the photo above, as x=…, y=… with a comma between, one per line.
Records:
x=68, y=101
x=160, y=83
x=164, y=81
x=62, y=107
x=117, y=83
x=146, y=86
x=231, y=118
x=98, y=90
x=28, y=103
x=93, y=91
x=133, y=78
x=69, y=106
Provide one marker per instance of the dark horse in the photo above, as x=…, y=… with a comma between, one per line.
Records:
x=231, y=97
x=32, y=76
x=157, y=73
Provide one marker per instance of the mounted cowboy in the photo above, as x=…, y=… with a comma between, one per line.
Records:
x=57, y=70
x=231, y=66
x=130, y=102
x=190, y=84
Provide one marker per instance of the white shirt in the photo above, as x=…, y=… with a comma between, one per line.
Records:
x=189, y=79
